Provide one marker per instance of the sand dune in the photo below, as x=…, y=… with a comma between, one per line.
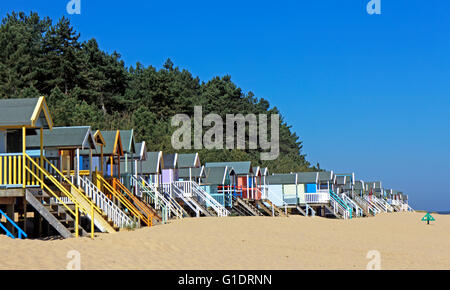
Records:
x=403, y=241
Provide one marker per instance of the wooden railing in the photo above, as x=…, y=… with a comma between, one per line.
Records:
x=113, y=212
x=73, y=172
x=109, y=190
x=193, y=189
x=20, y=233
x=137, y=203
x=317, y=197
x=64, y=192
x=12, y=173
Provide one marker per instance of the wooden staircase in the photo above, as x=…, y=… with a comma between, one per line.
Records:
x=202, y=208
x=55, y=214
x=100, y=218
x=332, y=212
x=300, y=210
x=363, y=205
x=246, y=207
x=146, y=209
x=190, y=204
x=278, y=211
x=104, y=216
x=264, y=208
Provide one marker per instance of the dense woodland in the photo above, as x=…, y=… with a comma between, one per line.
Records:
x=87, y=86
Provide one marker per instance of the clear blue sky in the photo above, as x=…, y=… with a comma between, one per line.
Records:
x=366, y=93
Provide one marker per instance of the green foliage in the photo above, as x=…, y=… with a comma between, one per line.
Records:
x=87, y=86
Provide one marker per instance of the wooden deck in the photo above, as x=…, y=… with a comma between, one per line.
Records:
x=12, y=192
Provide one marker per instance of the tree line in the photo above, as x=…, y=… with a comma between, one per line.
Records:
x=85, y=85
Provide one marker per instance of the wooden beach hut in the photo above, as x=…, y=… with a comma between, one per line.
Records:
x=19, y=118
x=307, y=184
x=63, y=147
x=242, y=178
x=217, y=183
x=373, y=188
x=31, y=181
x=343, y=182
x=152, y=167
x=170, y=168
x=190, y=168
x=283, y=188
x=112, y=153
x=325, y=181
x=129, y=152
x=131, y=173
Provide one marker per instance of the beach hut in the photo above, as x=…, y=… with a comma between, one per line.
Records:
x=373, y=188
x=189, y=167
x=31, y=177
x=307, y=182
x=192, y=174
x=97, y=154
x=282, y=188
x=129, y=152
x=358, y=188
x=20, y=118
x=129, y=158
x=117, y=185
x=152, y=167
x=264, y=174
x=242, y=178
x=343, y=182
x=217, y=183
x=325, y=181
x=170, y=168
x=129, y=172
x=310, y=195
x=257, y=184
x=62, y=147
x=112, y=153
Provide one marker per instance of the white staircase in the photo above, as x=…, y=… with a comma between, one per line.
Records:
x=358, y=210
x=192, y=189
x=365, y=205
x=377, y=208
x=158, y=199
x=113, y=212
x=339, y=206
x=174, y=192
x=409, y=208
x=404, y=206
x=383, y=204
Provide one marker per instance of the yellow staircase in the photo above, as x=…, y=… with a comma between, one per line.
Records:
x=82, y=202
x=112, y=193
x=146, y=209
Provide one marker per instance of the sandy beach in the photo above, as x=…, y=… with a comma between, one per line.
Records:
x=296, y=242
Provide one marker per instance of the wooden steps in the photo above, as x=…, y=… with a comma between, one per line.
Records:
x=56, y=215
x=300, y=210
x=264, y=208
x=278, y=211
x=99, y=220
x=246, y=207
x=331, y=212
